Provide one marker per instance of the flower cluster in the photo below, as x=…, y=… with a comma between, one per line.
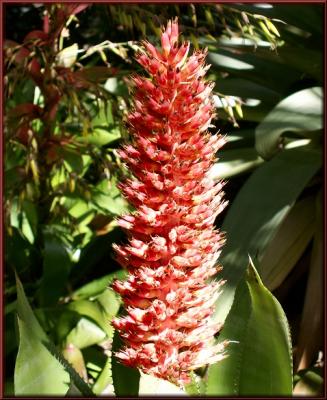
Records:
x=173, y=246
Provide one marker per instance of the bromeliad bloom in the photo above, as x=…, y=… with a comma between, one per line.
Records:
x=173, y=246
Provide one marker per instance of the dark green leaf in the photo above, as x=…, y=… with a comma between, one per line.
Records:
x=121, y=374
x=257, y=211
x=259, y=361
x=288, y=244
x=302, y=111
x=56, y=268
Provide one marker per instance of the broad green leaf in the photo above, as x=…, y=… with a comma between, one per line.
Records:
x=228, y=62
x=125, y=380
x=103, y=116
x=73, y=160
x=259, y=361
x=35, y=341
x=102, y=135
x=86, y=333
x=56, y=268
x=234, y=162
x=92, y=310
x=97, y=286
x=26, y=314
x=250, y=66
x=302, y=111
x=257, y=212
x=247, y=89
x=110, y=302
x=37, y=372
x=150, y=385
x=107, y=197
x=288, y=244
x=76, y=380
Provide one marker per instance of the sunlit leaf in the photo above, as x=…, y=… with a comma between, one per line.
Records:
x=234, y=162
x=75, y=357
x=259, y=361
x=37, y=372
x=150, y=385
x=85, y=334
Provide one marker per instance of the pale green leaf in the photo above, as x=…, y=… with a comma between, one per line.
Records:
x=85, y=334
x=150, y=385
x=37, y=372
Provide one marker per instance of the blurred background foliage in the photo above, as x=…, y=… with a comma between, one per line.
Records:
x=66, y=97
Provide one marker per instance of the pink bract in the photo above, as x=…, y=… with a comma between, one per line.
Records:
x=173, y=245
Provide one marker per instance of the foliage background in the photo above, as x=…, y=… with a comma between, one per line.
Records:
x=61, y=199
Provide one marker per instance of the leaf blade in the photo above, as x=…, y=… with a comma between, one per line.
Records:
x=260, y=363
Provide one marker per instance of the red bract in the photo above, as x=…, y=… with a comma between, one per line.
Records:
x=173, y=246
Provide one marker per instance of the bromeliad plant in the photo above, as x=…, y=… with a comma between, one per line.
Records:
x=173, y=245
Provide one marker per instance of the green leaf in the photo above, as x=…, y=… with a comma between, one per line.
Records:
x=26, y=314
x=107, y=197
x=288, y=244
x=37, y=372
x=34, y=342
x=30, y=219
x=97, y=286
x=310, y=383
x=94, y=311
x=76, y=380
x=150, y=385
x=246, y=89
x=110, y=302
x=258, y=210
x=73, y=160
x=34, y=364
x=259, y=361
x=122, y=374
x=102, y=135
x=302, y=111
x=104, y=383
x=75, y=358
x=56, y=268
x=234, y=162
x=85, y=334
